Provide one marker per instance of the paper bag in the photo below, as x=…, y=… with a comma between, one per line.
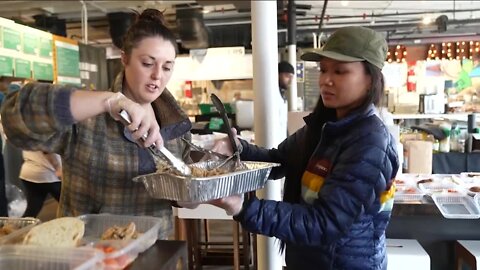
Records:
x=418, y=157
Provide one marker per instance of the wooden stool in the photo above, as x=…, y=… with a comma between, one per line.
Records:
x=188, y=226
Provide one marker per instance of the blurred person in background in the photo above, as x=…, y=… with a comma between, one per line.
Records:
x=40, y=174
x=285, y=77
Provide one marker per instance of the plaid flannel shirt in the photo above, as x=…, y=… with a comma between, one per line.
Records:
x=98, y=161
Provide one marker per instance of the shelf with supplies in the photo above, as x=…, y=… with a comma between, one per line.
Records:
x=449, y=116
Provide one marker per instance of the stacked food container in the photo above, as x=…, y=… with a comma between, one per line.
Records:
x=456, y=196
x=91, y=253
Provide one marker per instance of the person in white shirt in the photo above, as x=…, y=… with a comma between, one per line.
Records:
x=40, y=175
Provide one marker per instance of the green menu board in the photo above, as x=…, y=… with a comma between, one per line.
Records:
x=46, y=48
x=11, y=38
x=22, y=68
x=30, y=43
x=42, y=71
x=6, y=66
x=68, y=59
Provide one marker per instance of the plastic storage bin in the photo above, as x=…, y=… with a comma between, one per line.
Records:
x=18, y=257
x=120, y=253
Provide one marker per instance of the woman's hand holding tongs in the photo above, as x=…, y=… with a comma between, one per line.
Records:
x=142, y=119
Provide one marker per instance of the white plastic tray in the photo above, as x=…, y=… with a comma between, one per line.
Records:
x=441, y=188
x=456, y=206
x=465, y=180
x=408, y=194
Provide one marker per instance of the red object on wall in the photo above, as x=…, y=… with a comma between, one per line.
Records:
x=187, y=89
x=411, y=77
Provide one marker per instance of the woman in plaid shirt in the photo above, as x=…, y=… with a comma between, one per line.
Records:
x=82, y=126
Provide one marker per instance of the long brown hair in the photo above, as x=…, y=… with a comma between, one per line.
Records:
x=150, y=23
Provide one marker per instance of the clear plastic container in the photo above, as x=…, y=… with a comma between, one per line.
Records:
x=456, y=206
x=120, y=253
x=20, y=225
x=408, y=193
x=441, y=188
x=20, y=257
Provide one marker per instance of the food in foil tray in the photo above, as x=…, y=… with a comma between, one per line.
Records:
x=7, y=228
x=200, y=171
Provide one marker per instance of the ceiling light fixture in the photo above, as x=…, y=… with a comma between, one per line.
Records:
x=344, y=3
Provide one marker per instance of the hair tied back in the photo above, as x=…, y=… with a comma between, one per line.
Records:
x=152, y=16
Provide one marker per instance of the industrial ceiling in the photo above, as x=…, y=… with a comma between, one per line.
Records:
x=399, y=20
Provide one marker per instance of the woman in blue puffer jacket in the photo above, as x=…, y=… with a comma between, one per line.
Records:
x=339, y=167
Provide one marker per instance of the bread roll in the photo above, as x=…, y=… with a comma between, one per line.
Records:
x=60, y=232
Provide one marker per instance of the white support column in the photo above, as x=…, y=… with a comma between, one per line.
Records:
x=292, y=94
x=265, y=90
x=84, y=23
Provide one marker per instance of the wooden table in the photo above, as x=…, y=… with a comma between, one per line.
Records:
x=163, y=255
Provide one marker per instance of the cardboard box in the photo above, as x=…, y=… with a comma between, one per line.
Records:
x=418, y=156
x=406, y=254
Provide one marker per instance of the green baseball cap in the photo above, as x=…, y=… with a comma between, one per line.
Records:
x=352, y=44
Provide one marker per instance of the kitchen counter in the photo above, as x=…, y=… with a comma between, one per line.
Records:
x=423, y=221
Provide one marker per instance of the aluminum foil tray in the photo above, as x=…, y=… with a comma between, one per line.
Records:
x=201, y=189
x=23, y=225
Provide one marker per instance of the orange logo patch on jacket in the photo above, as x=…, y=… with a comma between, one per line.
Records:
x=313, y=178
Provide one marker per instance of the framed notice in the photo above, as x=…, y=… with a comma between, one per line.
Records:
x=42, y=71
x=6, y=66
x=68, y=59
x=11, y=38
x=23, y=68
x=30, y=43
x=45, y=45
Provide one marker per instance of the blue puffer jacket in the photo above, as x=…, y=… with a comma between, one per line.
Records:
x=338, y=192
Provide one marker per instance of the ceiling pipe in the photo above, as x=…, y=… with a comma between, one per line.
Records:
x=84, y=22
x=393, y=14
x=321, y=17
x=433, y=39
x=383, y=27
x=95, y=5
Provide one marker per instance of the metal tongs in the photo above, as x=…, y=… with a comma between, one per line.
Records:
x=231, y=136
x=161, y=154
